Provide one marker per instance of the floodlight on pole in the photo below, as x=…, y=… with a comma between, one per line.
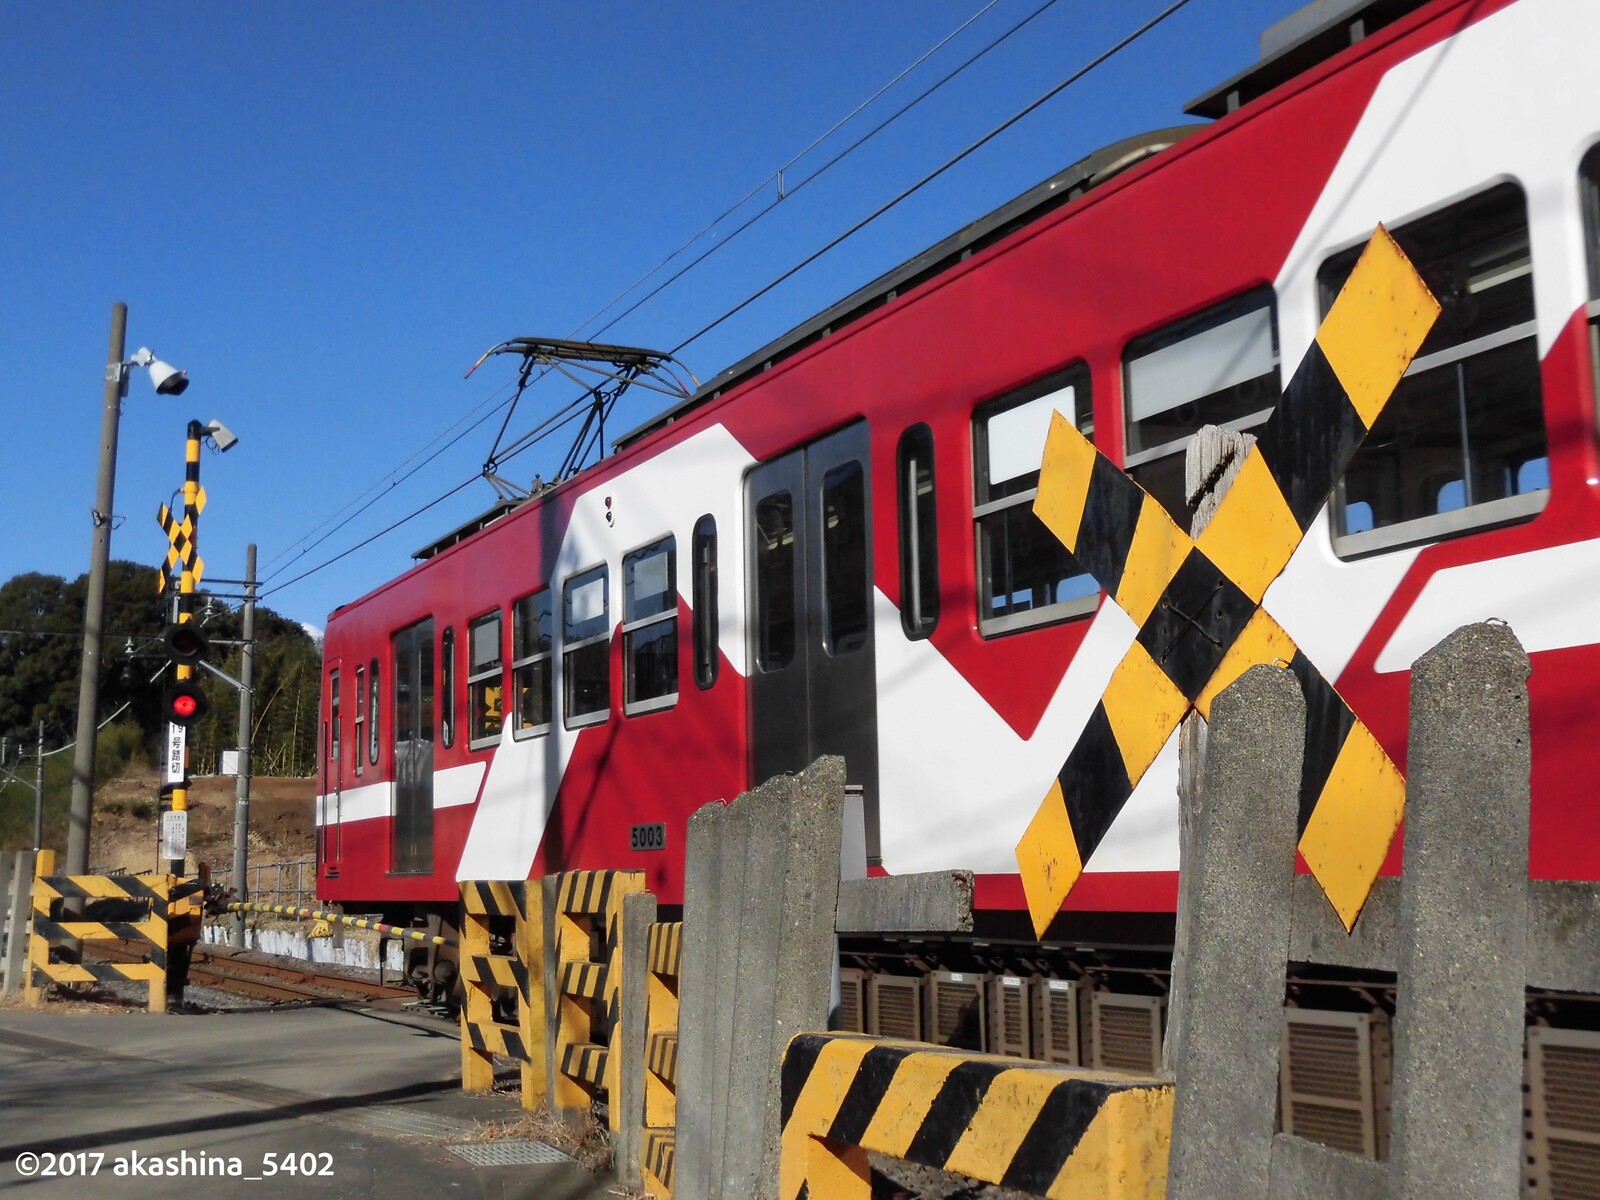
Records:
x=167, y=381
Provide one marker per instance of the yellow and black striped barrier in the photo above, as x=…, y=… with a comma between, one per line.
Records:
x=486, y=976
x=589, y=992
x=159, y=912
x=1034, y=1127
x=664, y=956
x=1197, y=602
x=319, y=914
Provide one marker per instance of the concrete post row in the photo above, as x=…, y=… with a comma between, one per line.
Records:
x=1456, y=924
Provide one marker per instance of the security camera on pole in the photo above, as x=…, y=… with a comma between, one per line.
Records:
x=168, y=381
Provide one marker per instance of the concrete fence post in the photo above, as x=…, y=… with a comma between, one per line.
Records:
x=10, y=874
x=638, y=914
x=1240, y=872
x=703, y=946
x=1463, y=955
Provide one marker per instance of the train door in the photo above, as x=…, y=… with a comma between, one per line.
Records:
x=412, y=850
x=812, y=665
x=329, y=843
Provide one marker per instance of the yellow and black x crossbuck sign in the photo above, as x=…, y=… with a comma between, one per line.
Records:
x=180, y=534
x=1197, y=602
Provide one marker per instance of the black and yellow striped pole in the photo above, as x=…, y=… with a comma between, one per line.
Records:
x=1197, y=602
x=183, y=702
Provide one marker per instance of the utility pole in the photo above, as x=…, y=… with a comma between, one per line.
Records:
x=38, y=793
x=94, y=610
x=241, y=805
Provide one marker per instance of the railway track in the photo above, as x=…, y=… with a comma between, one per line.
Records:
x=216, y=967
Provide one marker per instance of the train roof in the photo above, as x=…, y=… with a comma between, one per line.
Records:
x=1060, y=188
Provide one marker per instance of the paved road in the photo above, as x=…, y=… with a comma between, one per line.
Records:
x=372, y=1094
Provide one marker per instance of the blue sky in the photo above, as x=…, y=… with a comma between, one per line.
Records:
x=325, y=213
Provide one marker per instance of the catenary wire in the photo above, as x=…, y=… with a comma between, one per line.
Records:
x=1100, y=58
x=1104, y=56
x=354, y=507
x=778, y=174
x=851, y=148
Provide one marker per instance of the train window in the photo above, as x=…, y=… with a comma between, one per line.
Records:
x=586, y=647
x=333, y=721
x=1025, y=575
x=775, y=579
x=650, y=627
x=360, y=722
x=919, y=543
x=704, y=550
x=485, y=685
x=1461, y=443
x=532, y=642
x=372, y=715
x=1589, y=182
x=844, y=558
x=447, y=686
x=1219, y=367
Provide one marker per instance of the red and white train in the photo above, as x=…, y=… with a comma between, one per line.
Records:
x=830, y=547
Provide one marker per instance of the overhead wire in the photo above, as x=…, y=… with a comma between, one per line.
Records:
x=391, y=479
x=355, y=507
x=916, y=187
x=779, y=173
x=818, y=173
x=1099, y=59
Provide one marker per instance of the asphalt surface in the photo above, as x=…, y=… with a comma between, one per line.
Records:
x=365, y=1101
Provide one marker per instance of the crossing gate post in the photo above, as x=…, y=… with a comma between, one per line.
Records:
x=521, y=971
x=587, y=910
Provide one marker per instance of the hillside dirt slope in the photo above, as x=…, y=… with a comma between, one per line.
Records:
x=127, y=828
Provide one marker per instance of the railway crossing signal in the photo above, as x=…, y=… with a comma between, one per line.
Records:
x=183, y=703
x=1197, y=602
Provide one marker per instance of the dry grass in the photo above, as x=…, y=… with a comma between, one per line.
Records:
x=54, y=999
x=587, y=1140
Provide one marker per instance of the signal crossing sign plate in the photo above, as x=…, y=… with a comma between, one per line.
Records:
x=177, y=743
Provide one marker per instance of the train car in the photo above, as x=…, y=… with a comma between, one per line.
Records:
x=830, y=547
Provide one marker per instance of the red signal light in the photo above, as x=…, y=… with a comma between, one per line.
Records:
x=184, y=703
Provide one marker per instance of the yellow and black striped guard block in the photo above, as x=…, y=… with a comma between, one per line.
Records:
x=486, y=975
x=1038, y=1128
x=665, y=948
x=137, y=909
x=660, y=1149
x=590, y=989
x=1197, y=602
x=664, y=953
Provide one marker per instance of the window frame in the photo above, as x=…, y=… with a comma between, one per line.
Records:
x=569, y=719
x=359, y=722
x=1212, y=316
x=519, y=731
x=1589, y=192
x=705, y=616
x=1469, y=518
x=919, y=613
x=1077, y=376
x=447, y=686
x=336, y=740
x=631, y=707
x=374, y=698
x=475, y=678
